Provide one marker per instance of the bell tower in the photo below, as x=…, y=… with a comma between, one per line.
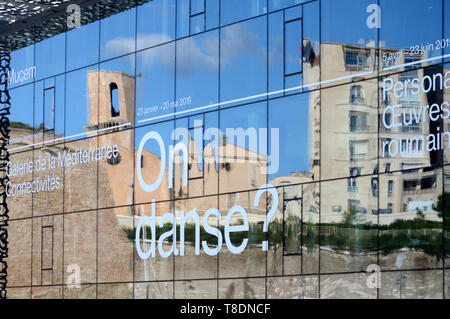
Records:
x=112, y=106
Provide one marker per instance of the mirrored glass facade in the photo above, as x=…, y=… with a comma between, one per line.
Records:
x=232, y=149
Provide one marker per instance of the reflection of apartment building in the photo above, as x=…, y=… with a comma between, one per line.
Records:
x=352, y=135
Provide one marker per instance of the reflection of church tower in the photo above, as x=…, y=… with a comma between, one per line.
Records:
x=111, y=106
x=113, y=103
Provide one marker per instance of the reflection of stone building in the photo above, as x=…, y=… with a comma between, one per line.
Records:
x=118, y=184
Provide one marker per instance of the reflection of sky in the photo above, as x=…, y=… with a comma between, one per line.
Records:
x=50, y=56
x=22, y=59
x=82, y=46
x=155, y=18
x=22, y=105
x=344, y=21
x=77, y=101
x=291, y=115
x=403, y=22
x=243, y=59
x=243, y=51
x=243, y=65
x=245, y=117
x=198, y=69
x=117, y=31
x=409, y=22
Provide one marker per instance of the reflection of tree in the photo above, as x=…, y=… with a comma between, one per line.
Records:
x=350, y=216
x=292, y=234
x=349, y=235
x=443, y=208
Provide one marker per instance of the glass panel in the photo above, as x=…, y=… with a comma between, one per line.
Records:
x=198, y=66
x=281, y=4
x=197, y=6
x=293, y=13
x=293, y=288
x=349, y=53
x=211, y=153
x=290, y=148
x=46, y=293
x=162, y=29
x=243, y=148
x=197, y=24
x=276, y=54
x=82, y=102
x=115, y=291
x=20, y=173
x=151, y=165
x=155, y=84
x=348, y=225
x=183, y=18
x=337, y=16
x=311, y=44
x=421, y=23
x=115, y=179
x=48, y=181
x=251, y=261
x=292, y=226
x=118, y=34
x=212, y=14
x=19, y=293
x=346, y=286
x=411, y=285
x=191, y=289
x=349, y=130
x=155, y=268
x=47, y=250
x=242, y=288
x=80, y=247
x=153, y=290
x=237, y=10
x=293, y=84
x=86, y=291
x=19, y=253
x=410, y=225
x=23, y=69
x=243, y=55
x=115, y=248
x=206, y=265
x=293, y=44
x=21, y=118
x=116, y=92
x=50, y=56
x=82, y=46
x=80, y=176
x=310, y=228
x=49, y=111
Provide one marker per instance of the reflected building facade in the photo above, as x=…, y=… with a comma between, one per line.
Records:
x=286, y=93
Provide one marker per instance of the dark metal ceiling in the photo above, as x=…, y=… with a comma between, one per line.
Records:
x=13, y=11
x=23, y=23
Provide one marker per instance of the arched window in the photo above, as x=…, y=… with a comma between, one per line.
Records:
x=115, y=107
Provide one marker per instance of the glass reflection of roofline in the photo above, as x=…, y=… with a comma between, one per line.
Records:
x=24, y=22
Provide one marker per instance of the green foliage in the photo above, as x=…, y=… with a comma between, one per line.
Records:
x=418, y=234
x=350, y=216
x=420, y=214
x=443, y=209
